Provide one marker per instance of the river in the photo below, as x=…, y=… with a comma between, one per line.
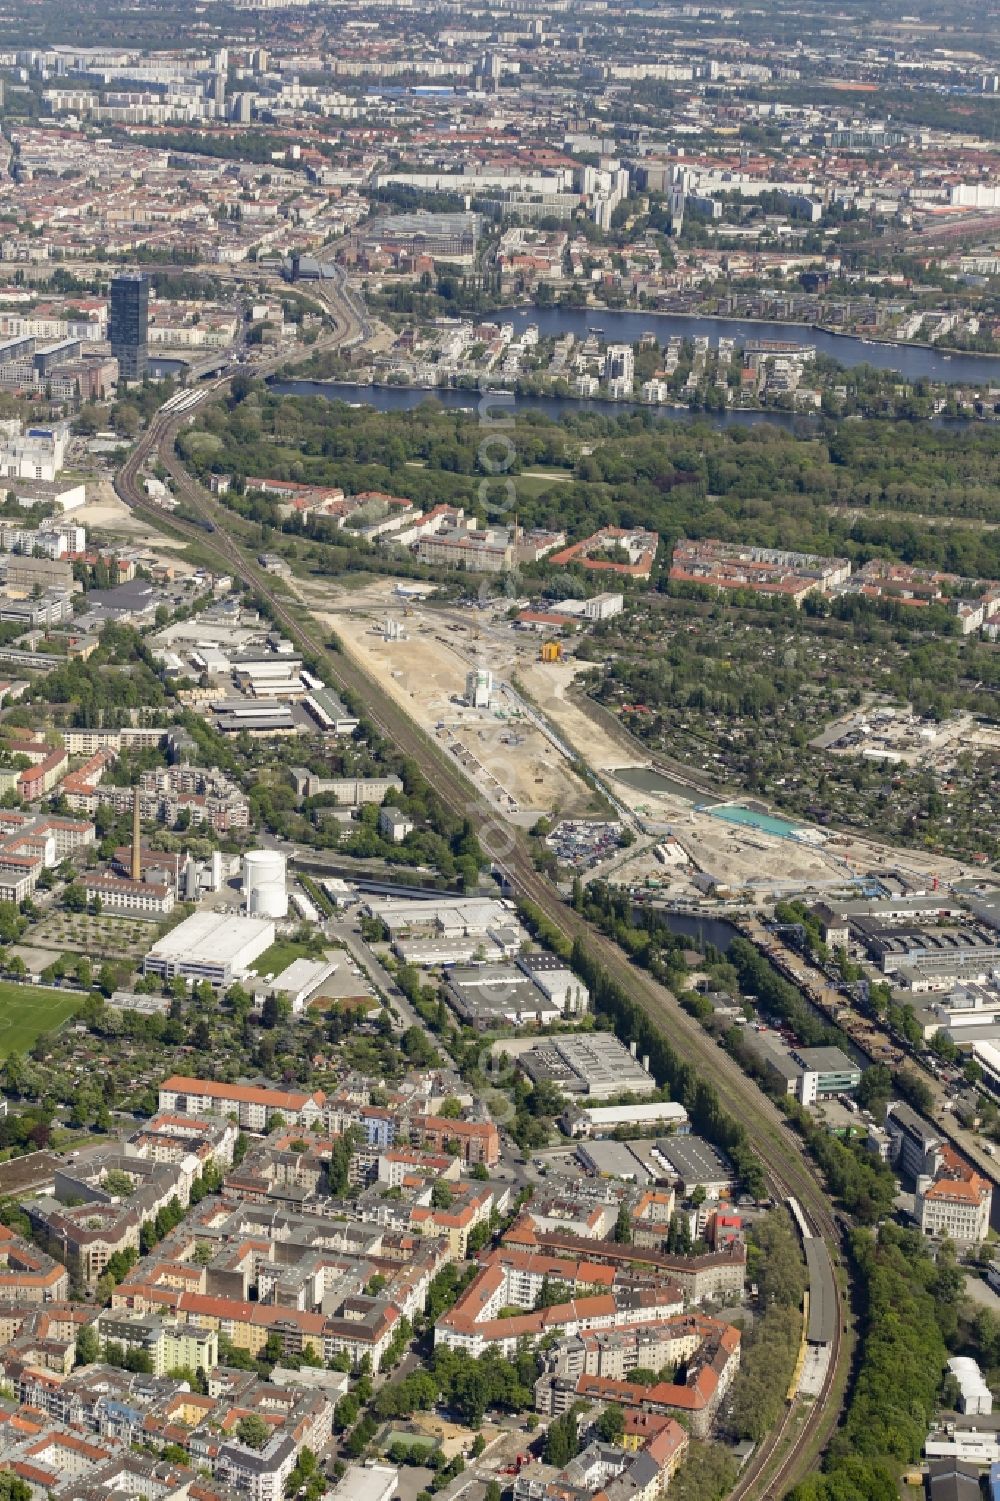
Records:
x=405, y=398
x=701, y=928
x=161, y=367
x=913, y=361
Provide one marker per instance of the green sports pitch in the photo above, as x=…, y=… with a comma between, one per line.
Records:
x=26, y=1011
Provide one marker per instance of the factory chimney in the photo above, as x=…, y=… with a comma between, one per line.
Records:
x=136, y=837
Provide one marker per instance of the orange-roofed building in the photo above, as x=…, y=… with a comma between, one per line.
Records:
x=956, y=1207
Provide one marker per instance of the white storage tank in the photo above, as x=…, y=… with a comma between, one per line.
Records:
x=264, y=881
x=268, y=899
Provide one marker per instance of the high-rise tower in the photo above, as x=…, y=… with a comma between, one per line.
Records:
x=130, y=323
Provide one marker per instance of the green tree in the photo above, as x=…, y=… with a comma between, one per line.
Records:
x=253, y=1431
x=611, y=1424
x=561, y=1440
x=13, y=1488
x=441, y=1195
x=87, y=1347
x=75, y=897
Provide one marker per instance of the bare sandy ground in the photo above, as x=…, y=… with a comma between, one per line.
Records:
x=548, y=684
x=104, y=512
x=510, y=759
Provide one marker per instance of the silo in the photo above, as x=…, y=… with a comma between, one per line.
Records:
x=264, y=883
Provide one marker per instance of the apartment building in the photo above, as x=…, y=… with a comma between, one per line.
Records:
x=481, y=1319
x=41, y=1335
x=613, y=549
x=715, y=1275
x=175, y=1138
x=170, y=1346
x=251, y=1105
x=762, y=570
x=300, y=1276
x=83, y=1433
x=456, y=1222
x=363, y=1327
x=28, y=1275
x=31, y=842
x=260, y=1476
x=206, y=797
x=710, y=1360
x=956, y=1208
x=35, y=781
x=246, y=1324
x=86, y=1236
x=86, y=1224
x=476, y=1141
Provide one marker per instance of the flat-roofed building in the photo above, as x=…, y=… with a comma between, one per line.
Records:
x=448, y=237
x=371, y=1482
x=914, y=1146
x=491, y=995
x=300, y=980
x=695, y=1163
x=603, y=1119
x=557, y=981
x=594, y=1064
x=210, y=946
x=831, y=1069
x=170, y=1346
x=611, y=1159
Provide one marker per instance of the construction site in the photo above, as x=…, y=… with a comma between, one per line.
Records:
x=504, y=704
x=454, y=676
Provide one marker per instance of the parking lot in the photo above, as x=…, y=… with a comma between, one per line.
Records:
x=583, y=843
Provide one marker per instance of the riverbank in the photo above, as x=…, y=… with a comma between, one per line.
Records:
x=406, y=398
x=911, y=362
x=827, y=329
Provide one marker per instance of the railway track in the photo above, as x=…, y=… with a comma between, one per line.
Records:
x=787, y=1172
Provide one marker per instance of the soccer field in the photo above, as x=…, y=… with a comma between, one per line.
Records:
x=27, y=1011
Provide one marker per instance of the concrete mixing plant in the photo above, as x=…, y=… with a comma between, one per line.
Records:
x=264, y=884
x=479, y=688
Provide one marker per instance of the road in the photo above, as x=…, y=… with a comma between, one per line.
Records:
x=342, y=931
x=788, y=1172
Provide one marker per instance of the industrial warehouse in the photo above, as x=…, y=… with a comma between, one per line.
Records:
x=210, y=946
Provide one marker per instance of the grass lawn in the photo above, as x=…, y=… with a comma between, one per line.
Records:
x=280, y=955
x=27, y=1012
x=414, y=1440
x=538, y=483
